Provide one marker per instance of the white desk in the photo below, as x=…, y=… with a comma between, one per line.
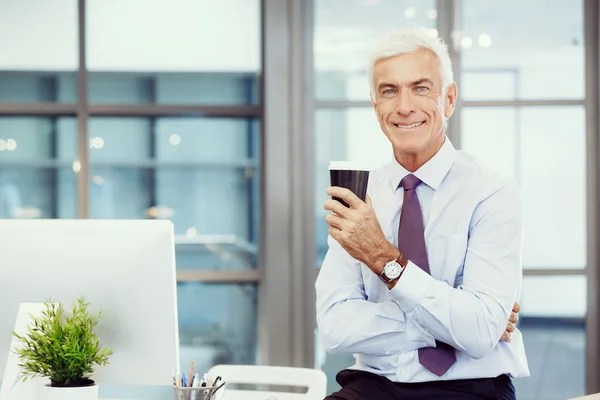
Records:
x=590, y=397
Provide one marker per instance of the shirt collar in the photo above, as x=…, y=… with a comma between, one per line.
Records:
x=431, y=173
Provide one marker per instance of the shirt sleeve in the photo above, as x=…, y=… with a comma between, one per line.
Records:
x=349, y=322
x=473, y=316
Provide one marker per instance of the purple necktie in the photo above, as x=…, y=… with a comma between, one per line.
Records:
x=411, y=242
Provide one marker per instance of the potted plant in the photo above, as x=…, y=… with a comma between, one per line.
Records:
x=64, y=349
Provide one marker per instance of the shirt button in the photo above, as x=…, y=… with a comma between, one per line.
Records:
x=402, y=372
x=387, y=353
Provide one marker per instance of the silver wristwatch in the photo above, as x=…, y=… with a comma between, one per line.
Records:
x=391, y=271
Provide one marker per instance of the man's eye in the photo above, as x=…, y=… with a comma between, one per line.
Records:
x=422, y=89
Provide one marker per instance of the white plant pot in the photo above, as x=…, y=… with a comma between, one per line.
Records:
x=70, y=393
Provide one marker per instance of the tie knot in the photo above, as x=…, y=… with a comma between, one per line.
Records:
x=410, y=182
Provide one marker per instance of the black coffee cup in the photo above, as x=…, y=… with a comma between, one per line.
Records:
x=349, y=175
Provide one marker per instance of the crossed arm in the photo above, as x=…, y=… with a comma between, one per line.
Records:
x=472, y=317
x=350, y=323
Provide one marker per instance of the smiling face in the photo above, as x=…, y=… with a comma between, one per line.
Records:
x=411, y=105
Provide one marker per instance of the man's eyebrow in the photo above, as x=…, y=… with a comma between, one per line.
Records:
x=417, y=82
x=386, y=84
x=421, y=81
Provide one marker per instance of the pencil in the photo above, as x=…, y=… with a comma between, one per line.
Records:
x=192, y=365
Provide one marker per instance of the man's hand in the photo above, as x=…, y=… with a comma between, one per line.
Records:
x=512, y=323
x=357, y=230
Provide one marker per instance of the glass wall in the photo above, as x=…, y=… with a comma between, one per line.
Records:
x=37, y=179
x=41, y=66
x=536, y=57
x=173, y=133
x=521, y=85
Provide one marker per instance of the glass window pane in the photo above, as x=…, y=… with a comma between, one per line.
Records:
x=554, y=336
x=36, y=168
x=47, y=50
x=201, y=173
x=213, y=88
x=539, y=297
x=509, y=55
x=344, y=33
x=490, y=135
x=180, y=52
x=529, y=144
x=218, y=324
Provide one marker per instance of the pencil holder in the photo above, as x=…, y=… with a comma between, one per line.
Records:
x=199, y=393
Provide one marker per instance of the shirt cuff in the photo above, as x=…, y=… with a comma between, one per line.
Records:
x=411, y=287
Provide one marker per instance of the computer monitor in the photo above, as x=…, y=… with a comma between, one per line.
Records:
x=126, y=268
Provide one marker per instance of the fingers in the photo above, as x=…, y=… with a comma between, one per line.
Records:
x=516, y=307
x=512, y=323
x=510, y=327
x=335, y=221
x=345, y=194
x=336, y=207
x=368, y=201
x=506, y=336
x=335, y=233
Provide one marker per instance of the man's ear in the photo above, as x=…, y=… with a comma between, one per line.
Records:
x=450, y=100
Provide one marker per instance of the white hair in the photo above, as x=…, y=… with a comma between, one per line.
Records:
x=408, y=40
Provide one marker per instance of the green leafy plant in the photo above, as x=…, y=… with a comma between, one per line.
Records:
x=60, y=347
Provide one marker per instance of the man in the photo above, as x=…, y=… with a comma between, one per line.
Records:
x=421, y=281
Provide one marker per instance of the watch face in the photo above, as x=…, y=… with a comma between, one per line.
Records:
x=392, y=270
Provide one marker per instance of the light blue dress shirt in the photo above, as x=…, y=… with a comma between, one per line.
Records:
x=473, y=234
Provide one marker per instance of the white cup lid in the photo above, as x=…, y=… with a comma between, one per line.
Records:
x=348, y=165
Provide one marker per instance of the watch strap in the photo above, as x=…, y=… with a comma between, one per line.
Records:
x=402, y=260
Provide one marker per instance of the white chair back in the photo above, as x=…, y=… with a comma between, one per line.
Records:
x=314, y=379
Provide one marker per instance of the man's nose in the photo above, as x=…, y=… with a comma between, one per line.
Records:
x=405, y=103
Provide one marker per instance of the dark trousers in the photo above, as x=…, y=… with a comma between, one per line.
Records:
x=359, y=385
